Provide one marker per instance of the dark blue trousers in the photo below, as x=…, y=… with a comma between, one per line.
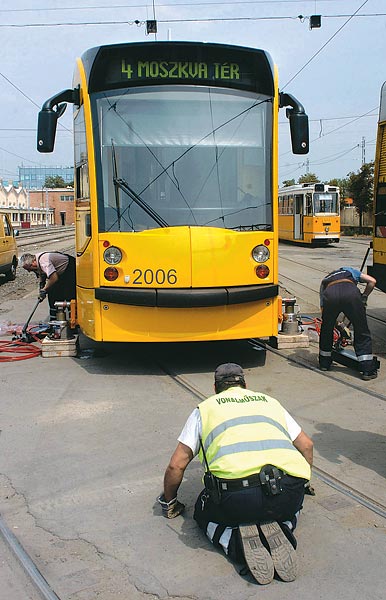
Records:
x=345, y=297
x=249, y=505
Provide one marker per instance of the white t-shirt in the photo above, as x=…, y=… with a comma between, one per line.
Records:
x=192, y=430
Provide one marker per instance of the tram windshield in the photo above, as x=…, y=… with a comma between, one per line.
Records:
x=183, y=155
x=326, y=203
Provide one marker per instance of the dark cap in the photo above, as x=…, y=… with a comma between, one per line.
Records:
x=229, y=372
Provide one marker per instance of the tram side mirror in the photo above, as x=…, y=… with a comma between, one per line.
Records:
x=47, y=122
x=299, y=131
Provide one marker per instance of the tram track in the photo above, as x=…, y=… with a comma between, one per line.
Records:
x=40, y=238
x=344, y=489
x=40, y=584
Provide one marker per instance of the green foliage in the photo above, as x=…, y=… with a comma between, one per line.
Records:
x=309, y=178
x=342, y=184
x=360, y=188
x=288, y=182
x=54, y=181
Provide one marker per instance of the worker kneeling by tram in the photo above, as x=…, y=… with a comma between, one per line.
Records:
x=257, y=462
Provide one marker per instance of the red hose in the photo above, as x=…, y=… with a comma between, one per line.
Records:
x=316, y=323
x=20, y=350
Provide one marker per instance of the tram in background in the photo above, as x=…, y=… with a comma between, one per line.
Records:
x=176, y=151
x=309, y=213
x=378, y=270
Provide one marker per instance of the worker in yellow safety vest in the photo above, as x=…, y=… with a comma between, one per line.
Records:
x=257, y=462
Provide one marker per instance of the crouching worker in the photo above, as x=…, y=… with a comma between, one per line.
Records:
x=257, y=461
x=57, y=276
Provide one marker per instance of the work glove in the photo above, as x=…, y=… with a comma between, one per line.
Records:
x=42, y=295
x=364, y=300
x=308, y=489
x=171, y=509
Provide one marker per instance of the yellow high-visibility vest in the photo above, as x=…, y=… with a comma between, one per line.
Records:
x=242, y=431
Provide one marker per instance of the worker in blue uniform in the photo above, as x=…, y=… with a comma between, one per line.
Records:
x=339, y=294
x=257, y=462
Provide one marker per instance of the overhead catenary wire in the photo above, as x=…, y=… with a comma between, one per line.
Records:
x=325, y=44
x=139, y=22
x=160, y=5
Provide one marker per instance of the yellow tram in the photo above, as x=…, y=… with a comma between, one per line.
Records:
x=378, y=270
x=309, y=213
x=175, y=185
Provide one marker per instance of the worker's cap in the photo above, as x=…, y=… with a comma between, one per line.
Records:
x=229, y=372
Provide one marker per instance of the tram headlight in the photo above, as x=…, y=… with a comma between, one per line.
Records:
x=262, y=271
x=112, y=255
x=260, y=253
x=111, y=273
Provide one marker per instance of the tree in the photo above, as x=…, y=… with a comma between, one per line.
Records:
x=54, y=181
x=360, y=188
x=308, y=178
x=288, y=182
x=342, y=184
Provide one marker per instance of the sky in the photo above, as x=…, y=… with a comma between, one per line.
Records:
x=335, y=71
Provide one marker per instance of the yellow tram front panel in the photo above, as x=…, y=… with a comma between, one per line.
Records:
x=190, y=259
x=321, y=228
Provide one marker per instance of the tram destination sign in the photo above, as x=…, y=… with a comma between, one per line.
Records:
x=158, y=63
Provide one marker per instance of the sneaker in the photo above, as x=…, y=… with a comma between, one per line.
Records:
x=367, y=375
x=283, y=554
x=257, y=557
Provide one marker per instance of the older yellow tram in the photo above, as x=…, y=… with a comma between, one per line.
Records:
x=309, y=213
x=175, y=186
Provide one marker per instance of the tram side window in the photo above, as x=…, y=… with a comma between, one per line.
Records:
x=81, y=162
x=380, y=207
x=308, y=205
x=82, y=188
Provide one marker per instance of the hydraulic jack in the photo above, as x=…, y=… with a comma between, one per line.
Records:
x=346, y=356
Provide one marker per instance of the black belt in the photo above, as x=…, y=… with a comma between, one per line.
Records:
x=234, y=485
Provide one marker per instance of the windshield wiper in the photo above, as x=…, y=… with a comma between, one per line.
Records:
x=124, y=186
x=255, y=227
x=120, y=183
x=116, y=188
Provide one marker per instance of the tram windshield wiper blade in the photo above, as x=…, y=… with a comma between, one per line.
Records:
x=124, y=186
x=254, y=227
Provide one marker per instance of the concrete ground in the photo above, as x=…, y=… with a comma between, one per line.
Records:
x=85, y=442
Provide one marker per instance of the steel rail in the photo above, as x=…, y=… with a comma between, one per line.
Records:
x=327, y=374
x=27, y=563
x=347, y=490
x=44, y=240
x=328, y=479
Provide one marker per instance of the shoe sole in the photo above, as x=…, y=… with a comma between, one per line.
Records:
x=283, y=554
x=256, y=555
x=369, y=377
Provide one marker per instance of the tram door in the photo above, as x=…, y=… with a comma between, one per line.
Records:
x=298, y=222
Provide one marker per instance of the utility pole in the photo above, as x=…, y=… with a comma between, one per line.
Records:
x=363, y=150
x=307, y=166
x=47, y=209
